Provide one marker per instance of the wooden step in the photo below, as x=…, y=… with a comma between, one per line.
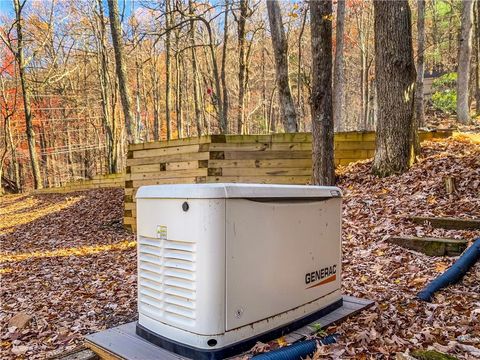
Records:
x=448, y=223
x=431, y=246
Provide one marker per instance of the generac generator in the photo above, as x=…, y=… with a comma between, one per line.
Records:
x=222, y=266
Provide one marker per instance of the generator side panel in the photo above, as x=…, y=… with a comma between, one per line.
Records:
x=181, y=264
x=280, y=256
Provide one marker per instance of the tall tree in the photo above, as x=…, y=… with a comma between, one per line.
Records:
x=26, y=91
x=301, y=73
x=7, y=111
x=196, y=94
x=338, y=75
x=464, y=54
x=477, y=56
x=321, y=98
x=223, y=73
x=242, y=42
x=121, y=69
x=168, y=68
x=419, y=101
x=280, y=50
x=109, y=121
x=178, y=84
x=395, y=81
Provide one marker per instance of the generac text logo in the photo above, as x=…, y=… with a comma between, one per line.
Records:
x=324, y=275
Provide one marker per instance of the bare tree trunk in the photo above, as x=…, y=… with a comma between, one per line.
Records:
x=16, y=168
x=106, y=89
x=178, y=87
x=217, y=94
x=70, y=161
x=37, y=178
x=419, y=102
x=435, y=33
x=338, y=75
x=13, y=156
x=477, y=57
x=280, y=49
x=363, y=70
x=464, y=54
x=121, y=69
x=156, y=98
x=144, y=96
x=300, y=108
x=184, y=90
x=321, y=98
x=272, y=124
x=241, y=65
x=196, y=95
x=216, y=77
x=224, y=61
x=395, y=82
x=168, y=69
x=7, y=112
x=264, y=87
x=6, y=135
x=44, y=156
x=138, y=112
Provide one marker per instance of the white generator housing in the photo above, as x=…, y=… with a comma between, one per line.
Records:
x=221, y=266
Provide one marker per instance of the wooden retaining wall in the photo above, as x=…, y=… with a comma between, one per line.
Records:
x=97, y=182
x=273, y=159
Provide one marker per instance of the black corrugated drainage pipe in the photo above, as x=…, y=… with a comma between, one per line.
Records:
x=297, y=351
x=454, y=274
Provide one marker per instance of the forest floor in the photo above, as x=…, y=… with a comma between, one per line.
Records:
x=70, y=267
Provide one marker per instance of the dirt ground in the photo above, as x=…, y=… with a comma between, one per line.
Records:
x=70, y=267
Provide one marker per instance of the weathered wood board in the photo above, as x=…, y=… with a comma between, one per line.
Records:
x=123, y=343
x=431, y=246
x=448, y=223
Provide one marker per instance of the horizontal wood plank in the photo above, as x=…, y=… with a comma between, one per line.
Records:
x=169, y=158
x=266, y=171
x=448, y=222
x=166, y=174
x=274, y=163
x=431, y=246
x=136, y=169
x=185, y=165
x=265, y=146
x=177, y=142
x=184, y=149
x=261, y=179
x=266, y=155
x=175, y=180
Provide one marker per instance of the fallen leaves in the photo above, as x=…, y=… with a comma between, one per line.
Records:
x=375, y=209
x=20, y=213
x=72, y=267
x=81, y=251
x=69, y=263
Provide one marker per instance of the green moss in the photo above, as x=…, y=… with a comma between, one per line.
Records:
x=431, y=355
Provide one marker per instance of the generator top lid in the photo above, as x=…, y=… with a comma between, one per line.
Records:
x=228, y=190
